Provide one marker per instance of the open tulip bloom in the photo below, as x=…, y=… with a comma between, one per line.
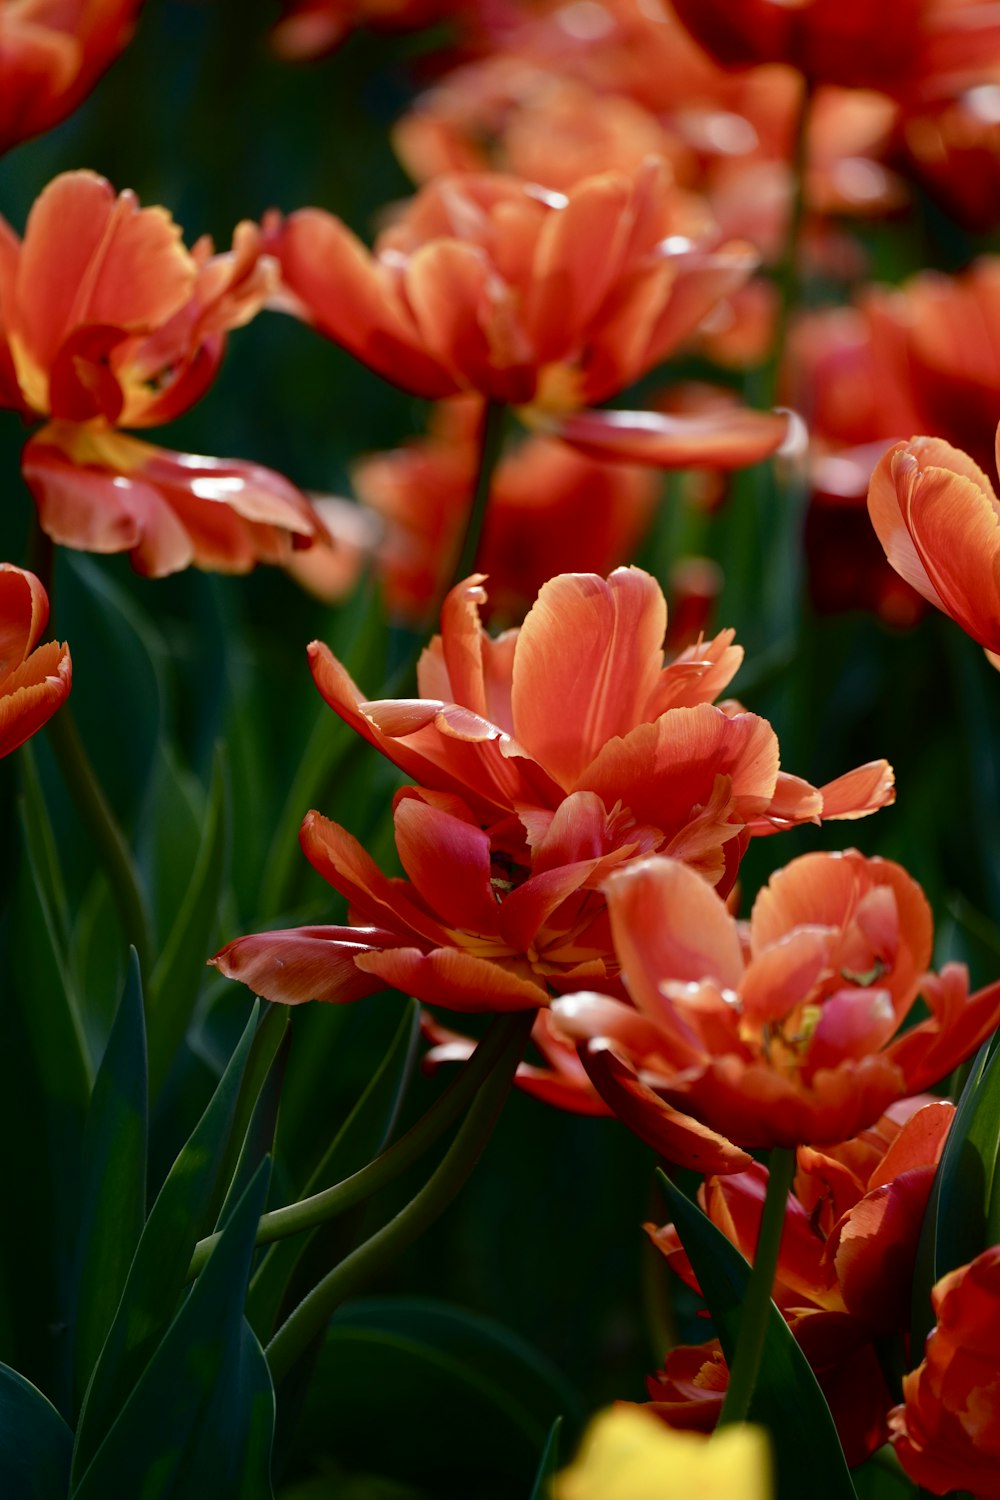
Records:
x=34, y=679
x=547, y=758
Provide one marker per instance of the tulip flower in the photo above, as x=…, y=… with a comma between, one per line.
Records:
x=625, y=1455
x=555, y=754
x=550, y=302
x=34, y=680
x=844, y=1273
x=904, y=48
x=51, y=55
x=947, y=1432
x=938, y=519
x=795, y=1038
x=108, y=322
x=312, y=28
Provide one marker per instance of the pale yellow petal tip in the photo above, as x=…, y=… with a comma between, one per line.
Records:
x=993, y=657
x=628, y=1454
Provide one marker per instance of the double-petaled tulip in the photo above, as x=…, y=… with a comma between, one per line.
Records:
x=547, y=301
x=938, y=519
x=34, y=679
x=905, y=48
x=547, y=757
x=844, y=1272
x=795, y=1037
x=108, y=322
x=626, y=1455
x=52, y=52
x=947, y=1432
x=551, y=511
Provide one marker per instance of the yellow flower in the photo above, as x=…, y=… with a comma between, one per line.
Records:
x=628, y=1454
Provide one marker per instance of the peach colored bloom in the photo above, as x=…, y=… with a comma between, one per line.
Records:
x=107, y=321
x=938, y=518
x=34, y=680
x=794, y=1037
x=947, y=1432
x=547, y=301
x=52, y=52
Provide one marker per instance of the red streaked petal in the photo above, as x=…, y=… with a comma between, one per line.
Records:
x=716, y=440
x=304, y=963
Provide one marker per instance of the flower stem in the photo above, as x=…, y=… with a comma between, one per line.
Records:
x=309, y=1319
x=92, y=807
x=757, y=1305
x=310, y=1212
x=491, y=435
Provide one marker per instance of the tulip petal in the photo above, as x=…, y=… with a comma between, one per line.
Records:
x=454, y=978
x=716, y=440
x=305, y=963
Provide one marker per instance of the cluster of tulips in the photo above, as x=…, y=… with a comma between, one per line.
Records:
x=615, y=201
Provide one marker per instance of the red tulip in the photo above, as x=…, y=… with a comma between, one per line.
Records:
x=34, y=679
x=947, y=1432
x=107, y=321
x=52, y=52
x=797, y=1039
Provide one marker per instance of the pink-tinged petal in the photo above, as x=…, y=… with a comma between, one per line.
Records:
x=959, y=1024
x=586, y=1016
x=735, y=1204
x=715, y=440
x=784, y=974
x=671, y=1134
x=577, y=259
x=91, y=257
x=794, y=801
x=448, y=861
x=852, y=1024
x=666, y=772
x=454, y=978
x=305, y=963
x=578, y=829
x=588, y=657
x=528, y=907
x=702, y=279
x=859, y=792
x=30, y=695
x=874, y=1247
x=347, y=294
x=345, y=865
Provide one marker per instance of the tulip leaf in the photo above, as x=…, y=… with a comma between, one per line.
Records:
x=35, y=1443
x=252, y=1135
x=160, y=1267
x=185, y=1427
x=177, y=977
x=480, y=1402
x=549, y=1463
x=364, y=1133
x=787, y=1399
x=963, y=1211
x=113, y=1208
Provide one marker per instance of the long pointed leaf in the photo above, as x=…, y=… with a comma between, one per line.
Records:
x=549, y=1462
x=35, y=1443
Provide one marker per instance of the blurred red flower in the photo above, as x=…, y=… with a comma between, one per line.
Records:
x=794, y=1037
x=547, y=301
x=52, y=52
x=107, y=321
x=34, y=680
x=947, y=1432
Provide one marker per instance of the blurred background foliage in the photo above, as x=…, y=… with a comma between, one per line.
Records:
x=513, y=1303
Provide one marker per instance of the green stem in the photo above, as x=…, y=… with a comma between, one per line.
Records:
x=491, y=435
x=97, y=817
x=309, y=1319
x=310, y=1212
x=757, y=1305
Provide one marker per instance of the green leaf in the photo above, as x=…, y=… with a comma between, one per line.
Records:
x=364, y=1134
x=113, y=1208
x=184, y=1428
x=252, y=1135
x=480, y=1402
x=549, y=1463
x=787, y=1400
x=963, y=1211
x=35, y=1442
x=160, y=1267
x=180, y=970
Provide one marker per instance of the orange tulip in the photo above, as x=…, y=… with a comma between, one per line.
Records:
x=551, y=511
x=905, y=47
x=947, y=1432
x=938, y=518
x=844, y=1272
x=312, y=28
x=796, y=1039
x=52, y=52
x=107, y=321
x=34, y=679
x=547, y=301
